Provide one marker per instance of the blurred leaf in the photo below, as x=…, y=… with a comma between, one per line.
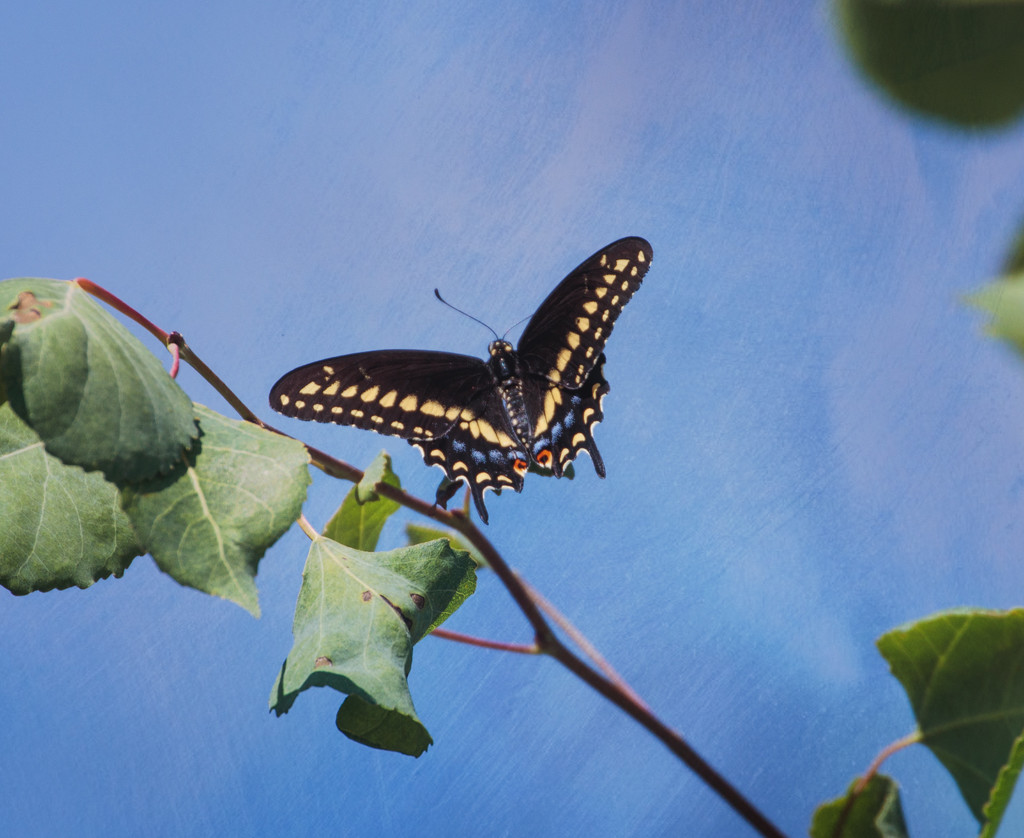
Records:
x=418, y=534
x=362, y=515
x=876, y=813
x=964, y=674
x=1015, y=260
x=209, y=521
x=356, y=621
x=1004, y=300
x=960, y=60
x=95, y=395
x=59, y=525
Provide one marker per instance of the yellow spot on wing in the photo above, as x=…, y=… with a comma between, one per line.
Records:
x=349, y=392
x=578, y=440
x=590, y=306
x=358, y=414
x=328, y=369
x=563, y=359
x=432, y=408
x=310, y=389
x=620, y=264
x=572, y=339
x=487, y=432
x=388, y=399
x=370, y=394
x=408, y=404
x=284, y=400
x=318, y=407
x=332, y=388
x=582, y=323
x=398, y=426
x=337, y=411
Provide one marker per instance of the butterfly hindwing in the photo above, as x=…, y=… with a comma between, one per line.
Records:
x=481, y=449
x=564, y=420
x=569, y=330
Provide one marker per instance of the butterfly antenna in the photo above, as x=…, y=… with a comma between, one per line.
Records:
x=470, y=316
x=510, y=328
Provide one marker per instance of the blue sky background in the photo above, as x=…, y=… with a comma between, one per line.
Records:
x=807, y=440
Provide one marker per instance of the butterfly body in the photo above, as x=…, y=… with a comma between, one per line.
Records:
x=484, y=422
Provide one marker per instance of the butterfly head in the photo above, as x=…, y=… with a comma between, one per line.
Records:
x=503, y=360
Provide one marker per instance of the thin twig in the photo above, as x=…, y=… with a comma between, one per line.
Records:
x=120, y=305
x=580, y=640
x=470, y=640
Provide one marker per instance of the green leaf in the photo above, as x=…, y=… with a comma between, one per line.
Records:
x=356, y=621
x=362, y=515
x=1014, y=264
x=964, y=674
x=876, y=812
x=95, y=395
x=418, y=534
x=210, y=520
x=6, y=330
x=1004, y=300
x=959, y=60
x=59, y=525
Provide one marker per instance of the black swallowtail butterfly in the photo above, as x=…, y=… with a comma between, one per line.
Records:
x=484, y=422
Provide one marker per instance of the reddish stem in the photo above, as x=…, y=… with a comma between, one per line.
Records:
x=468, y=639
x=886, y=752
x=120, y=305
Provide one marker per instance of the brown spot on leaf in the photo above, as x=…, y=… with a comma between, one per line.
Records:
x=418, y=600
x=26, y=309
x=322, y=661
x=398, y=611
x=367, y=596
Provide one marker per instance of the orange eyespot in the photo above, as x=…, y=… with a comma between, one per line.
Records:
x=544, y=457
x=520, y=466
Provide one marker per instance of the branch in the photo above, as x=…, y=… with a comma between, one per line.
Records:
x=531, y=604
